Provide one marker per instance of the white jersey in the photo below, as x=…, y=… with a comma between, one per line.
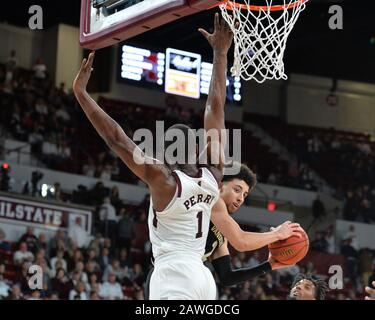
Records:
x=183, y=225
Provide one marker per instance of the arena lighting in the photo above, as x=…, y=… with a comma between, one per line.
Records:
x=271, y=206
x=136, y=51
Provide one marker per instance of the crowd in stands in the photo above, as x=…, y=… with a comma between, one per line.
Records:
x=61, y=138
x=113, y=264
x=344, y=159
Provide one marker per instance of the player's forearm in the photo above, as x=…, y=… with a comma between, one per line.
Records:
x=107, y=128
x=217, y=91
x=253, y=240
x=230, y=277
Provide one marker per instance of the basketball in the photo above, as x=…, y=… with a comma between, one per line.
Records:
x=291, y=250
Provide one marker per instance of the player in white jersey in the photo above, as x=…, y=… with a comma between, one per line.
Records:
x=181, y=205
x=178, y=235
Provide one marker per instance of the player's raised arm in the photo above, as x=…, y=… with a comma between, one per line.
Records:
x=214, y=117
x=248, y=241
x=111, y=132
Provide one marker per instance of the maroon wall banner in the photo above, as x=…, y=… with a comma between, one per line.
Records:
x=41, y=214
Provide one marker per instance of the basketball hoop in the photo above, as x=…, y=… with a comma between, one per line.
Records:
x=260, y=39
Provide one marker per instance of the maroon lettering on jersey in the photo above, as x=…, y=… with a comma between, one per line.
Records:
x=187, y=204
x=208, y=199
x=200, y=198
x=192, y=202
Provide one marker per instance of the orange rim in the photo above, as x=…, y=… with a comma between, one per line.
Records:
x=231, y=5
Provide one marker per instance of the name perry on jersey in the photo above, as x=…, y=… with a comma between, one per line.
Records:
x=192, y=201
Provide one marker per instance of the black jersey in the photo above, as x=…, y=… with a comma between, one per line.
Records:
x=215, y=239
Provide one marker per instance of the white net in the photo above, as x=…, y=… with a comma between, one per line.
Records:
x=260, y=39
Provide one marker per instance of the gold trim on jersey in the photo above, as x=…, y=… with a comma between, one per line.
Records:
x=216, y=244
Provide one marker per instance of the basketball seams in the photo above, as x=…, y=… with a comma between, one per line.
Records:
x=296, y=255
x=289, y=244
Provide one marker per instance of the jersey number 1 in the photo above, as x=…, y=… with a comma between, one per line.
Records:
x=199, y=217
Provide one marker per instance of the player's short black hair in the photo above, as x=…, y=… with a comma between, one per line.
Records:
x=244, y=174
x=321, y=286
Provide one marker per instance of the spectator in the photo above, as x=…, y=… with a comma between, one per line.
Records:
x=16, y=293
x=92, y=267
x=320, y=243
x=318, y=209
x=104, y=259
x=94, y=295
x=4, y=245
x=352, y=235
x=125, y=230
x=78, y=293
x=59, y=258
x=62, y=114
x=115, y=198
x=365, y=265
x=269, y=285
x=30, y=239
x=125, y=261
x=259, y=293
x=351, y=255
x=111, y=289
x=245, y=292
x=43, y=244
x=22, y=255
x=78, y=234
x=330, y=238
x=41, y=107
x=372, y=277
x=107, y=214
x=107, y=243
x=253, y=260
x=92, y=256
x=81, y=268
x=40, y=70
x=88, y=168
x=114, y=268
x=57, y=195
x=350, y=207
x=140, y=232
x=35, y=295
x=60, y=238
x=4, y=285
x=75, y=256
x=226, y=294
x=11, y=68
x=93, y=284
x=137, y=275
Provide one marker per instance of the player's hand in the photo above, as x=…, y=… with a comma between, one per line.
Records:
x=222, y=38
x=287, y=229
x=83, y=76
x=370, y=292
x=275, y=265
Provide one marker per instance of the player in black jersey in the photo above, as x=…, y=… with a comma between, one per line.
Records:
x=224, y=229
